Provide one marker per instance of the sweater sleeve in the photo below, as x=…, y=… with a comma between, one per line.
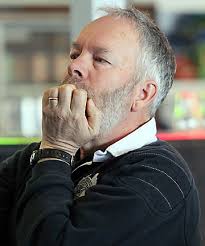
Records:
x=7, y=186
x=11, y=170
x=48, y=214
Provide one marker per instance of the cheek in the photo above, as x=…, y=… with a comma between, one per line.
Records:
x=108, y=80
x=119, y=79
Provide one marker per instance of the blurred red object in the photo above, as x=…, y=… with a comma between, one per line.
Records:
x=185, y=68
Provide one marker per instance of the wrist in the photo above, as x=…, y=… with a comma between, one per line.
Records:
x=52, y=159
x=42, y=155
x=68, y=149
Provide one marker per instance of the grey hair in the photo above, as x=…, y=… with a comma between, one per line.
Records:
x=155, y=59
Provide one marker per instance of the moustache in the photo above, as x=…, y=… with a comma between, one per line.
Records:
x=79, y=84
x=70, y=80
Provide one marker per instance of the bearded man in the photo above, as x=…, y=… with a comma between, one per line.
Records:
x=100, y=176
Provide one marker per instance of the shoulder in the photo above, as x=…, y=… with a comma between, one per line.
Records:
x=23, y=153
x=159, y=174
x=20, y=159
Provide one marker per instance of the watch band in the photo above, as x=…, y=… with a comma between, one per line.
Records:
x=50, y=153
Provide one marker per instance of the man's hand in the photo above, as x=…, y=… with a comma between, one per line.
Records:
x=70, y=121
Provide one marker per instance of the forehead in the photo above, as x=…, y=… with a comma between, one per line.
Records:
x=109, y=32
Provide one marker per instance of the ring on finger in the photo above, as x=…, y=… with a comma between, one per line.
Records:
x=53, y=101
x=53, y=98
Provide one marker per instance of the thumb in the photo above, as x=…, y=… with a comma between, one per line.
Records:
x=93, y=115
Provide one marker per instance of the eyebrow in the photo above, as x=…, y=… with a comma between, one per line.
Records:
x=75, y=45
x=96, y=49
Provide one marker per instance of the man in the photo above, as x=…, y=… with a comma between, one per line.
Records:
x=100, y=176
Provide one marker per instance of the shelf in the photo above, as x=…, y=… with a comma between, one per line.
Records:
x=28, y=89
x=24, y=3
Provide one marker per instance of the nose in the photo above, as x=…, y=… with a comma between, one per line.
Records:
x=78, y=68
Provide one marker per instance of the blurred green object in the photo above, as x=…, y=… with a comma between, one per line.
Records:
x=17, y=140
x=201, y=54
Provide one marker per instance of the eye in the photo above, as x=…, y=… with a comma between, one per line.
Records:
x=100, y=60
x=74, y=55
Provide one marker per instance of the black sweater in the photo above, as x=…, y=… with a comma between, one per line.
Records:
x=145, y=197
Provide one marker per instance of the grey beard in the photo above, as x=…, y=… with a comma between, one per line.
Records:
x=113, y=105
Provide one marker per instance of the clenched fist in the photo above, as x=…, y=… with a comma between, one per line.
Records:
x=70, y=118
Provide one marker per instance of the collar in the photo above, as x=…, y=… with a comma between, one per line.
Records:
x=143, y=135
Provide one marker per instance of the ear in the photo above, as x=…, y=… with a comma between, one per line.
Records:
x=144, y=95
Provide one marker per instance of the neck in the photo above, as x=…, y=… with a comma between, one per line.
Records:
x=103, y=141
x=99, y=143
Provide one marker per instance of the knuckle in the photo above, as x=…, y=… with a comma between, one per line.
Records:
x=63, y=114
x=68, y=86
x=80, y=92
x=53, y=89
x=45, y=109
x=50, y=92
x=76, y=116
x=71, y=86
x=46, y=112
x=46, y=94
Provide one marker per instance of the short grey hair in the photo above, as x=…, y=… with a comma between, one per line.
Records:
x=155, y=59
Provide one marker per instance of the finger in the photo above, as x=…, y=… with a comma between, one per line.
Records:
x=65, y=95
x=78, y=102
x=93, y=115
x=52, y=93
x=53, y=97
x=45, y=101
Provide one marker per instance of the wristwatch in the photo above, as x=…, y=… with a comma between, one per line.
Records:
x=50, y=153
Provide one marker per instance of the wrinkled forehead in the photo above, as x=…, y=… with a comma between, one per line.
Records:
x=109, y=29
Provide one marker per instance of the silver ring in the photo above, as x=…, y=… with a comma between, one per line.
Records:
x=53, y=98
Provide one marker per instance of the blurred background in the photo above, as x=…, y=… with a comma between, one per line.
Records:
x=35, y=36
